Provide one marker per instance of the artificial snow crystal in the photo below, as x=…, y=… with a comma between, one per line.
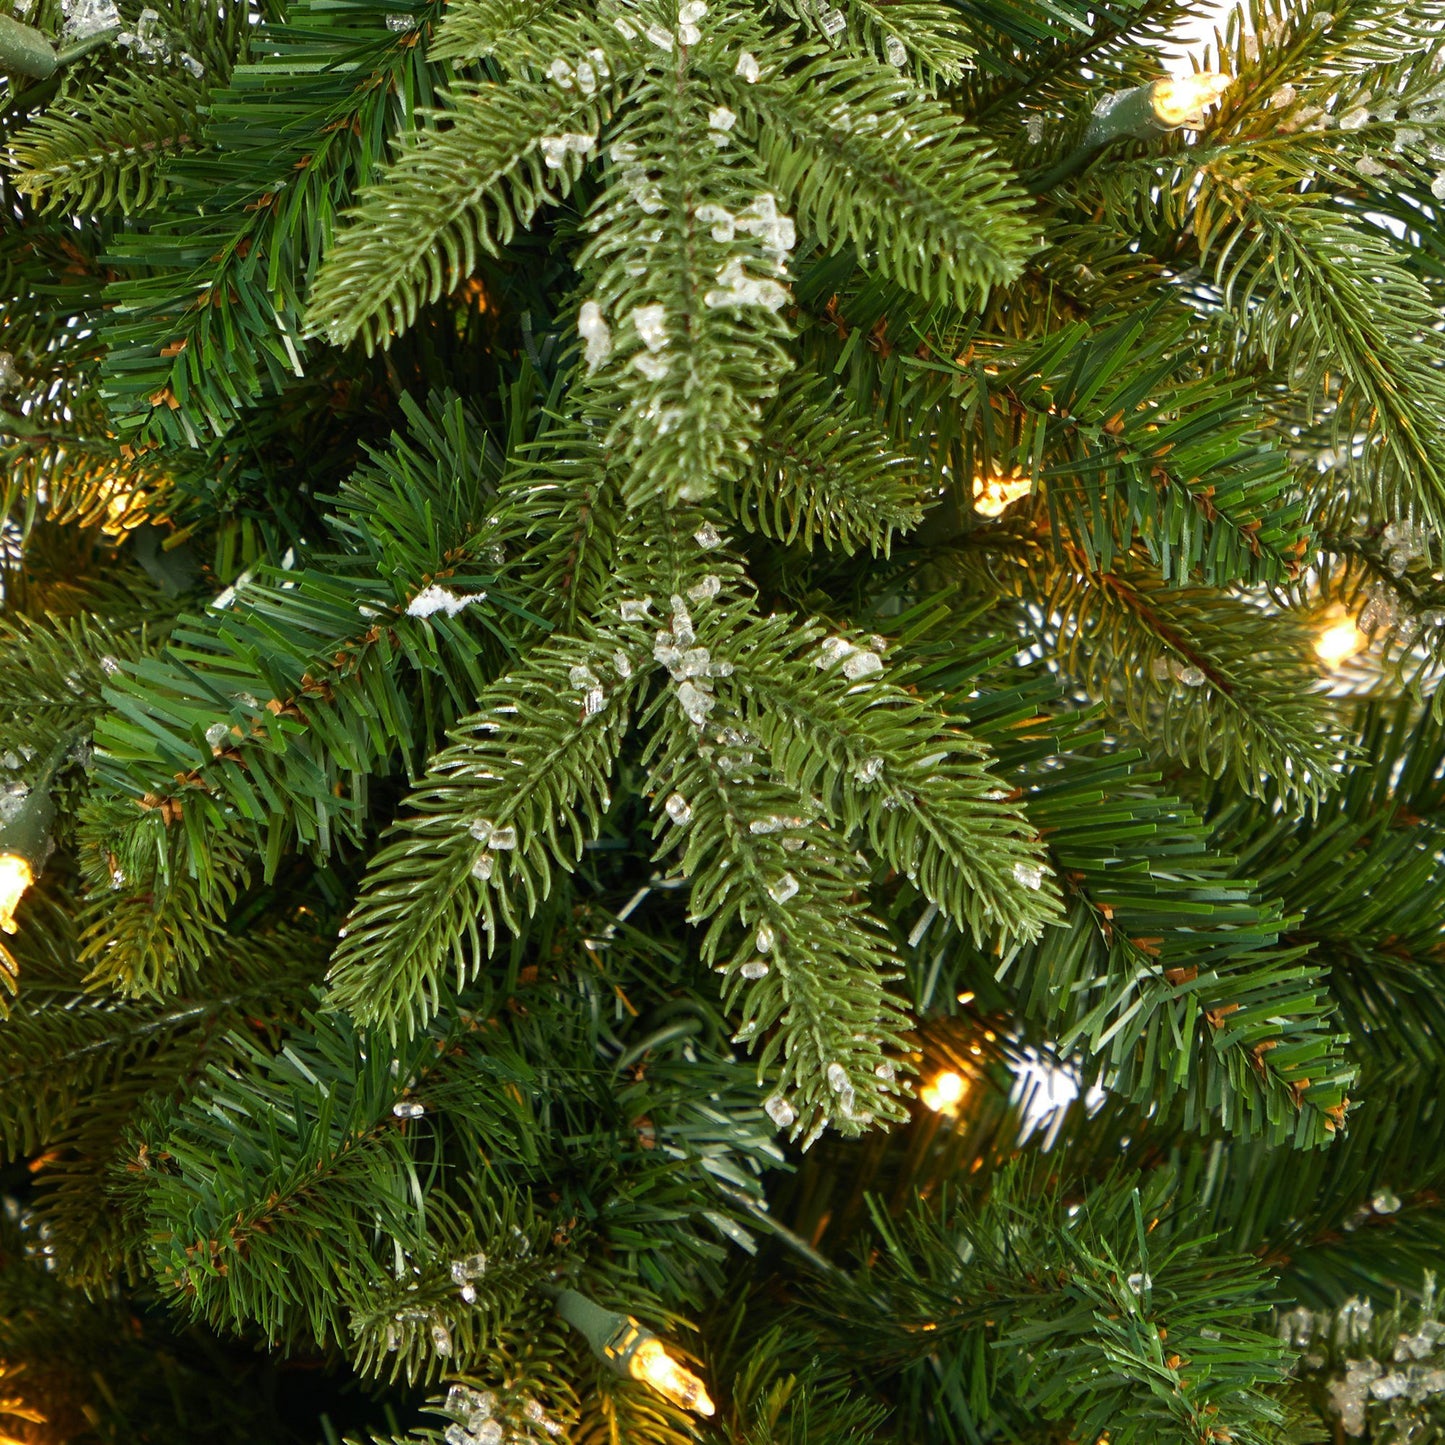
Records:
x=594, y=701
x=1385, y=1201
x=217, y=734
x=407, y=1109
x=468, y=1293
x=770, y=824
x=504, y=839
x=455, y=1435
x=689, y=34
x=433, y=599
x=582, y=677
x=707, y=537
x=9, y=375
x=1191, y=677
x=1437, y=187
x=489, y=1433
x=682, y=629
x=834, y=22
x=659, y=37
x=149, y=39
x=744, y=290
x=773, y=229
x=784, y=890
x=895, y=52
x=586, y=78
x=1029, y=874
x=748, y=67
x=754, y=969
x=1354, y=119
x=592, y=327
x=832, y=650
x=441, y=1338
x=624, y=29
x=780, y=1111
x=635, y=609
x=869, y=770
x=691, y=12
x=837, y=1078
x=196, y=70
x=650, y=323
x=84, y=18
x=705, y=590
x=862, y=664
x=653, y=367
x=721, y=118
x=561, y=73
x=765, y=938
x=482, y=829
x=720, y=219
x=678, y=809
x=469, y=1268
x=556, y=148
x=621, y=665
x=1139, y=1283
x=695, y=702
x=886, y=1071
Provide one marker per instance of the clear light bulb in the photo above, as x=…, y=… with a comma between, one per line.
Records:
x=944, y=1093
x=1339, y=642
x=992, y=494
x=652, y=1364
x=1183, y=98
x=16, y=875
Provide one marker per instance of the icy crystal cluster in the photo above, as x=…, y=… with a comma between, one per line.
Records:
x=1383, y=1381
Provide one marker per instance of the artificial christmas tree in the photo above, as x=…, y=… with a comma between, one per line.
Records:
x=721, y=722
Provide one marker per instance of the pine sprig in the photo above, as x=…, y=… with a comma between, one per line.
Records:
x=822, y=475
x=453, y=194
x=515, y=797
x=803, y=963
x=937, y=215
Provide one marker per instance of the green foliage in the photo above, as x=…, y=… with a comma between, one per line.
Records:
x=1029, y=1305
x=606, y=594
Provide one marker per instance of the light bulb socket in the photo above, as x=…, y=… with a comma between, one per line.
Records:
x=614, y=1337
x=26, y=832
x=25, y=51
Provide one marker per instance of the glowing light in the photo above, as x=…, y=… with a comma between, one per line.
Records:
x=945, y=1093
x=16, y=875
x=652, y=1364
x=992, y=494
x=1338, y=642
x=124, y=511
x=1184, y=98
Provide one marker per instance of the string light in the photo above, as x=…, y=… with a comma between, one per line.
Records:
x=24, y=847
x=1185, y=98
x=652, y=1364
x=631, y=1349
x=944, y=1092
x=1339, y=642
x=992, y=494
x=16, y=875
x=1143, y=112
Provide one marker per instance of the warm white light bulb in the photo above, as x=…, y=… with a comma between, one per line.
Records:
x=1338, y=642
x=1184, y=98
x=992, y=494
x=16, y=875
x=652, y=1364
x=944, y=1093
